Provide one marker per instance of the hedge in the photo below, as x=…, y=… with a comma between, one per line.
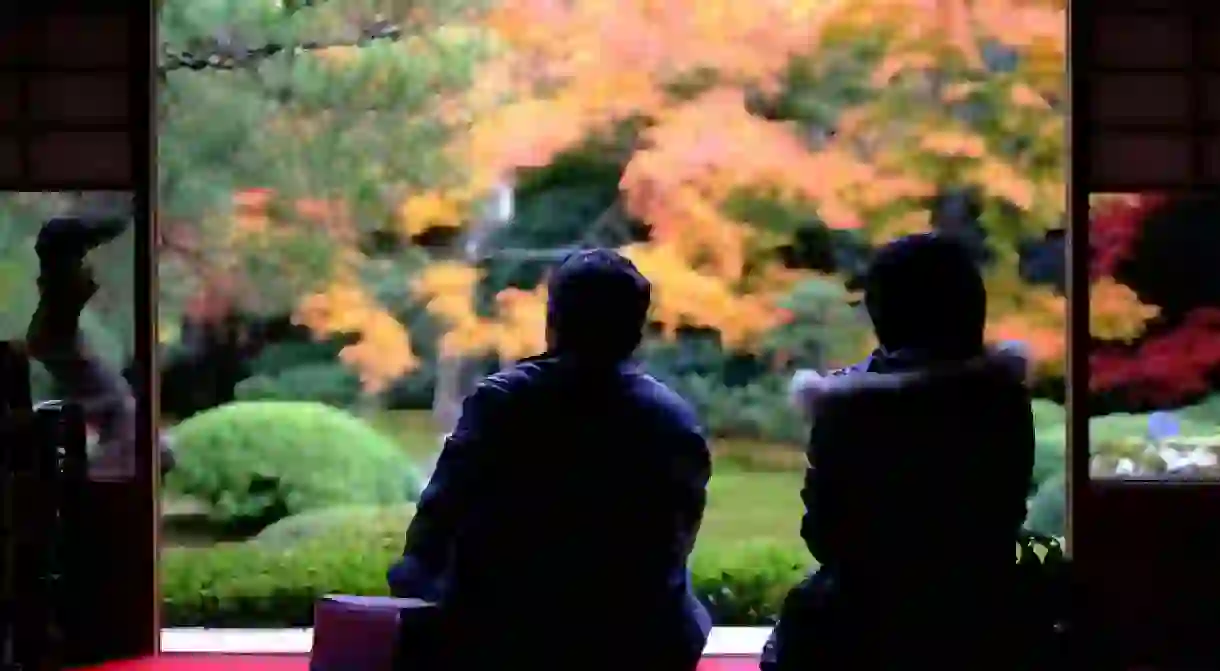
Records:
x=252, y=463
x=252, y=585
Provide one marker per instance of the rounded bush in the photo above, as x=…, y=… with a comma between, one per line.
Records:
x=261, y=584
x=1048, y=414
x=1048, y=508
x=1050, y=458
x=338, y=525
x=253, y=463
x=278, y=357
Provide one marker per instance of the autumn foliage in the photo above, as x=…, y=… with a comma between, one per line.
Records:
x=1169, y=365
x=945, y=94
x=582, y=69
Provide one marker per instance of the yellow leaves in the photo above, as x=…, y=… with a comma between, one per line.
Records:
x=1116, y=313
x=1039, y=318
x=956, y=20
x=448, y=288
x=953, y=144
x=429, y=209
x=574, y=68
x=1034, y=316
x=382, y=351
x=1000, y=180
x=1046, y=343
x=683, y=296
x=689, y=222
x=908, y=223
x=517, y=330
x=448, y=291
x=1023, y=95
x=958, y=92
x=898, y=63
x=521, y=327
x=589, y=63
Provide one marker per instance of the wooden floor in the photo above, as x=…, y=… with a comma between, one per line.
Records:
x=182, y=662
x=728, y=649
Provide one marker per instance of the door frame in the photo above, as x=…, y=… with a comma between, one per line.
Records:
x=68, y=147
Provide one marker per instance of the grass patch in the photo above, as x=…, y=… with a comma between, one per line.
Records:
x=746, y=508
x=414, y=430
x=754, y=495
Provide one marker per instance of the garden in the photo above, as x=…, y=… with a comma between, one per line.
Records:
x=359, y=202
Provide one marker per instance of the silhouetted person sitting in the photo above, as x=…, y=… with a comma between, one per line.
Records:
x=920, y=464
x=556, y=527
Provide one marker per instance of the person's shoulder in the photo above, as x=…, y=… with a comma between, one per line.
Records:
x=1000, y=372
x=660, y=400
x=516, y=377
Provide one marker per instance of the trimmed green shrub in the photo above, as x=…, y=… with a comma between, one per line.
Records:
x=1123, y=426
x=415, y=391
x=1206, y=411
x=1048, y=508
x=1050, y=458
x=331, y=383
x=747, y=586
x=759, y=410
x=1048, y=414
x=282, y=356
x=253, y=584
x=337, y=524
x=253, y=463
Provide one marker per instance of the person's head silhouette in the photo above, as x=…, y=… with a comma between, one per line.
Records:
x=925, y=293
x=597, y=307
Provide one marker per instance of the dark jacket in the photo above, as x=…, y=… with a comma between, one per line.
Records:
x=566, y=501
x=914, y=499
x=936, y=454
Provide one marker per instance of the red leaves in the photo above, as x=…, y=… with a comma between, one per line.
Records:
x=1114, y=228
x=1169, y=365
x=1164, y=368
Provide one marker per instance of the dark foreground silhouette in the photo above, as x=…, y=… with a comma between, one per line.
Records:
x=920, y=463
x=556, y=527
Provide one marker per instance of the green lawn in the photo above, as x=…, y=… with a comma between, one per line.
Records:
x=753, y=497
x=746, y=508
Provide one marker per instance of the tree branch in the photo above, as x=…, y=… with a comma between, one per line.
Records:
x=224, y=55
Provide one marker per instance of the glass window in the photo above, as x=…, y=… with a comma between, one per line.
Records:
x=77, y=326
x=1154, y=324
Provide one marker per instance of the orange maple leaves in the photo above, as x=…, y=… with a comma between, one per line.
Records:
x=516, y=330
x=576, y=68
x=566, y=71
x=382, y=352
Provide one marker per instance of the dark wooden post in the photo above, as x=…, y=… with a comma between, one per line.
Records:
x=76, y=81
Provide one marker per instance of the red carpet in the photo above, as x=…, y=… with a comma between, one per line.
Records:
x=298, y=663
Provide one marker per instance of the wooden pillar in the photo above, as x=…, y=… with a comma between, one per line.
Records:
x=76, y=115
x=1145, y=121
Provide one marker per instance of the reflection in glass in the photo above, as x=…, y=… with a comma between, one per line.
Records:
x=1155, y=331
x=66, y=280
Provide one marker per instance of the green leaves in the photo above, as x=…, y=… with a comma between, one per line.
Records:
x=338, y=103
